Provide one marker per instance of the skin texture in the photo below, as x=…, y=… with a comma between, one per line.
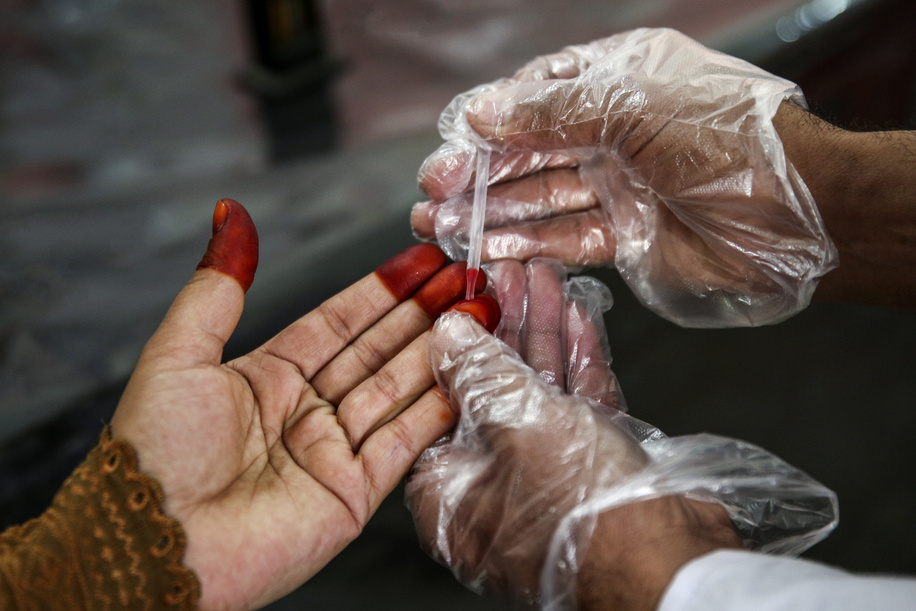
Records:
x=864, y=185
x=274, y=461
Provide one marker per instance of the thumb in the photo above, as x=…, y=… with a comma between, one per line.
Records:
x=207, y=310
x=518, y=415
x=552, y=115
x=483, y=377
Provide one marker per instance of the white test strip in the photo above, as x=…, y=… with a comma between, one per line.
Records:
x=478, y=212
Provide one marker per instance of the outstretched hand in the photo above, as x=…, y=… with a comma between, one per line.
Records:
x=275, y=461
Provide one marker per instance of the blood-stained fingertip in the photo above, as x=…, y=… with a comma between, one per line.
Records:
x=483, y=308
x=405, y=272
x=233, y=249
x=446, y=288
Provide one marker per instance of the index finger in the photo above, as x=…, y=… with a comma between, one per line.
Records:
x=450, y=170
x=543, y=194
x=553, y=116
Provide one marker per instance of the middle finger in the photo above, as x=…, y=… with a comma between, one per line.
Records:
x=538, y=196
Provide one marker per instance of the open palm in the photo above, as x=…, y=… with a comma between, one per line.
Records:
x=275, y=461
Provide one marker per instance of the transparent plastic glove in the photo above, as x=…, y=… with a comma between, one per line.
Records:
x=647, y=151
x=556, y=325
x=510, y=501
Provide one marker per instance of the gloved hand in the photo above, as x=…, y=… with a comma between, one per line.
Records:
x=536, y=492
x=647, y=151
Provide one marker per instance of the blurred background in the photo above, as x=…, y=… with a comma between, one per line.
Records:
x=122, y=123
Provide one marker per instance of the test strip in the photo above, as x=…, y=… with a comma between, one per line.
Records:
x=478, y=211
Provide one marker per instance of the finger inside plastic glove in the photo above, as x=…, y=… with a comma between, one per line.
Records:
x=588, y=358
x=450, y=170
x=545, y=194
x=556, y=325
x=577, y=240
x=550, y=116
x=508, y=282
x=568, y=63
x=521, y=230
x=544, y=326
x=491, y=384
x=598, y=94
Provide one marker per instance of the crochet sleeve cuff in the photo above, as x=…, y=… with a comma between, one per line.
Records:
x=104, y=542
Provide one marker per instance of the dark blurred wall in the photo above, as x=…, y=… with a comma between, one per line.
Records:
x=859, y=71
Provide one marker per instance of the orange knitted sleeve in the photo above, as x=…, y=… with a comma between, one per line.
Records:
x=104, y=543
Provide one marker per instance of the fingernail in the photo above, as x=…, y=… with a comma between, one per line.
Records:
x=423, y=219
x=486, y=110
x=220, y=215
x=233, y=249
x=405, y=272
x=483, y=308
x=447, y=172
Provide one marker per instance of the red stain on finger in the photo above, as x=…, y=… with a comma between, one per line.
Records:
x=446, y=288
x=405, y=272
x=233, y=249
x=483, y=308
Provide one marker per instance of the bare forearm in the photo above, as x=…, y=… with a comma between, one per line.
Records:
x=865, y=188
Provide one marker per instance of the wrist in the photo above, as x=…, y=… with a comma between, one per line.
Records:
x=823, y=154
x=636, y=550
x=864, y=187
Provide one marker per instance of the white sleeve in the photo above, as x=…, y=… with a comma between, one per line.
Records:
x=727, y=580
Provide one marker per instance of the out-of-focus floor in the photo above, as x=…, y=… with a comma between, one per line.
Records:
x=122, y=123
